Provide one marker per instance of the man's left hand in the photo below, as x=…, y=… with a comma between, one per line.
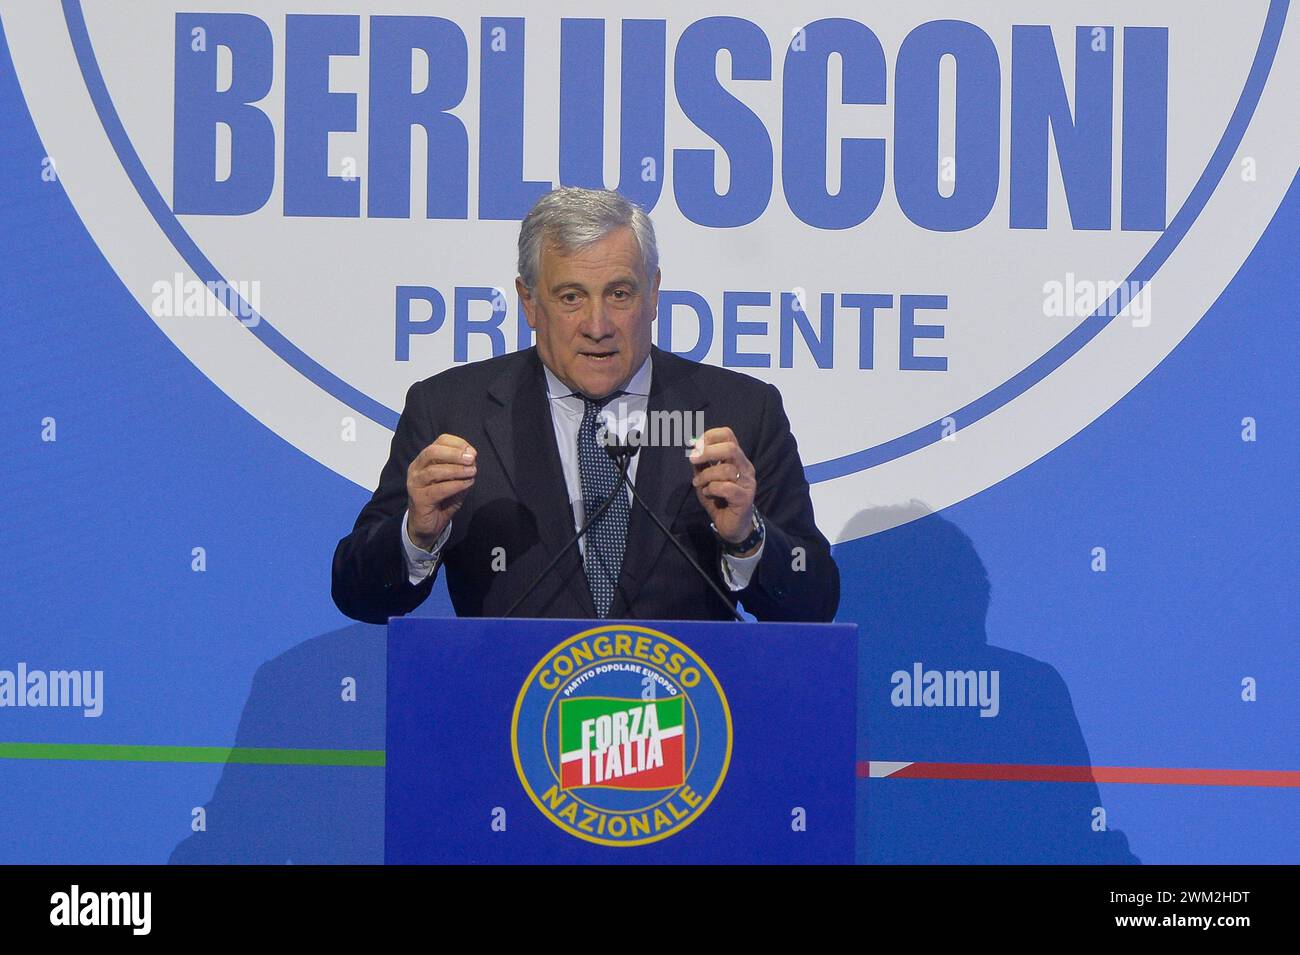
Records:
x=724, y=483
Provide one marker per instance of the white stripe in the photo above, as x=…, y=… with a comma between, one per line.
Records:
x=663, y=734
x=879, y=769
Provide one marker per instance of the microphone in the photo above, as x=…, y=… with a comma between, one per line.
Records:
x=626, y=454
x=623, y=453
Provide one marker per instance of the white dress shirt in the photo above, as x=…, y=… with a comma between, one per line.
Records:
x=622, y=415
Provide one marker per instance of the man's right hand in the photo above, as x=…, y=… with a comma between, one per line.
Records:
x=436, y=484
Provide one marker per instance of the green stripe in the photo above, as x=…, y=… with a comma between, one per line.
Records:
x=100, y=752
x=670, y=712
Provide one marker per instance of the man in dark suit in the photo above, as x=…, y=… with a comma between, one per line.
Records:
x=495, y=464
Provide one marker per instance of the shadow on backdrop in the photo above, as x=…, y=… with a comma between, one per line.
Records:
x=919, y=592
x=304, y=814
x=920, y=595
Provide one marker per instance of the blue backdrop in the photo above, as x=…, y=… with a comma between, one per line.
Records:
x=1138, y=667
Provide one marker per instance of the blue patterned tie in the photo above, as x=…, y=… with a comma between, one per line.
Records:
x=606, y=538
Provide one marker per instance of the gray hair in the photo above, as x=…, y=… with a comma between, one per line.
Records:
x=572, y=218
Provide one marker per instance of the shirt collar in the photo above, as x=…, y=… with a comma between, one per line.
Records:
x=638, y=385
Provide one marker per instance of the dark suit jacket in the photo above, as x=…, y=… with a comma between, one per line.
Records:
x=519, y=503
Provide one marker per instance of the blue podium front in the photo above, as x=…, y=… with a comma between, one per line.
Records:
x=580, y=741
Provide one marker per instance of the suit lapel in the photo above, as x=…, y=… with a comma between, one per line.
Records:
x=523, y=437
x=663, y=477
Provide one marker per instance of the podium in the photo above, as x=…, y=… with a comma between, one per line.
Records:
x=645, y=742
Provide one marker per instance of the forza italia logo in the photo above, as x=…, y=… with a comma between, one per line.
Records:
x=622, y=744
x=621, y=736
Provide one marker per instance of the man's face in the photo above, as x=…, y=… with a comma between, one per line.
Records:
x=591, y=312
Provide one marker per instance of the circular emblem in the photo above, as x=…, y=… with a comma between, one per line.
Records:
x=1121, y=243
x=621, y=735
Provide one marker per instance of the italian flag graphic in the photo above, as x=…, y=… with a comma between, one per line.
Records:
x=622, y=744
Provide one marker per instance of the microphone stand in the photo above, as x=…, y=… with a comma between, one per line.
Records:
x=622, y=455
x=586, y=525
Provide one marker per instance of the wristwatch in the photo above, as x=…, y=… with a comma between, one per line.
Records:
x=752, y=540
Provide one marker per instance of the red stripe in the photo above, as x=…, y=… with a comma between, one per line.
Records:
x=1018, y=772
x=668, y=775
